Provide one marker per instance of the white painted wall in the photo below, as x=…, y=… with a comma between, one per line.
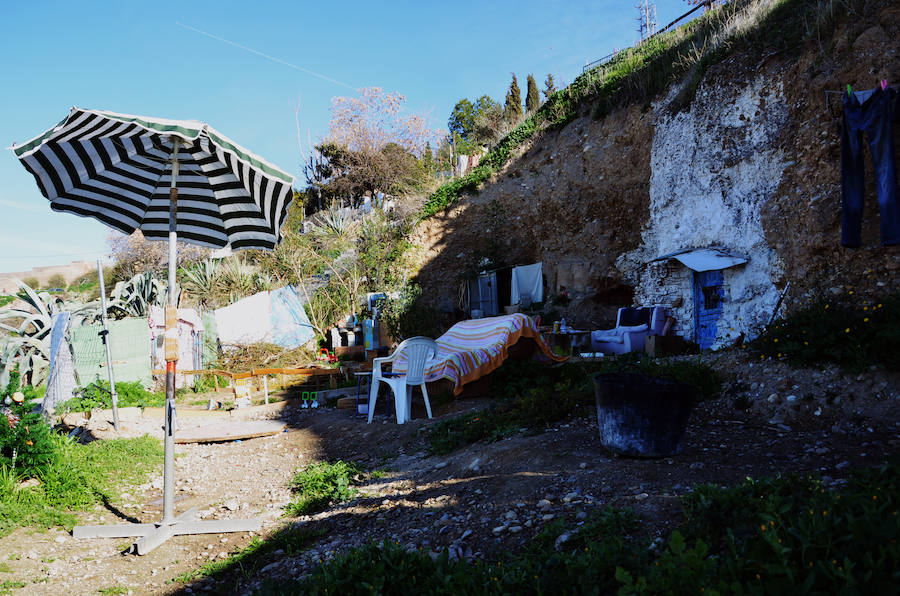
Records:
x=713, y=168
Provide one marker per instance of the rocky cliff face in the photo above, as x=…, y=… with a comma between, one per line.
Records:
x=713, y=167
x=752, y=166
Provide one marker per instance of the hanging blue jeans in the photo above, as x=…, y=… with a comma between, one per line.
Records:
x=869, y=112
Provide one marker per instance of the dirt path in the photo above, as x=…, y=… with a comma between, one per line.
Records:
x=478, y=501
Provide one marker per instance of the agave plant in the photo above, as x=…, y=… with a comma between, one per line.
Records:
x=30, y=356
x=28, y=345
x=28, y=348
x=264, y=281
x=203, y=279
x=34, y=322
x=135, y=297
x=334, y=222
x=238, y=277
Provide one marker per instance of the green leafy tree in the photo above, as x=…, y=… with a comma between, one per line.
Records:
x=512, y=109
x=549, y=86
x=429, y=162
x=490, y=125
x=462, y=119
x=474, y=124
x=532, y=97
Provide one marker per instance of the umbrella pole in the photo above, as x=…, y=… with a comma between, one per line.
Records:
x=114, y=397
x=171, y=347
x=152, y=535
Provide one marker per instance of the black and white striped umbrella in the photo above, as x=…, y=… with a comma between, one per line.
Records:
x=170, y=179
x=117, y=168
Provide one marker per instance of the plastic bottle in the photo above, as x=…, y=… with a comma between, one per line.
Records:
x=562, y=326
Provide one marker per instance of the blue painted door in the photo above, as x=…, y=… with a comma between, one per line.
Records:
x=709, y=294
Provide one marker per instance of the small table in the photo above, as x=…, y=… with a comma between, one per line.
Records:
x=570, y=341
x=365, y=378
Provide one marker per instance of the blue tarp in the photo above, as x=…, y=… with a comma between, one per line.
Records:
x=290, y=325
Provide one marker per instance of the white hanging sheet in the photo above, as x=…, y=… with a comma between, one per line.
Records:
x=527, y=279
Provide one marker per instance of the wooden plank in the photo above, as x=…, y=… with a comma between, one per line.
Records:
x=231, y=431
x=203, y=371
x=311, y=371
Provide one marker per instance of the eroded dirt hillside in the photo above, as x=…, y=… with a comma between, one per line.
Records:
x=578, y=198
x=573, y=198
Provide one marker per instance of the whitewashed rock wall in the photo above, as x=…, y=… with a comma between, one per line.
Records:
x=713, y=167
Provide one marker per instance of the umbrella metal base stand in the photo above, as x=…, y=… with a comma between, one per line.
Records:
x=153, y=535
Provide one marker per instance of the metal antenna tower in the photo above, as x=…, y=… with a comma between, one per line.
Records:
x=647, y=24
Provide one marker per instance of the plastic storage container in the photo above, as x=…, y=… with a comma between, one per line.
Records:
x=642, y=416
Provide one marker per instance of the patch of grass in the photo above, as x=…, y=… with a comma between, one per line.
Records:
x=4, y=300
x=5, y=568
x=773, y=536
x=854, y=333
x=81, y=476
x=319, y=484
x=8, y=586
x=255, y=555
x=113, y=590
x=534, y=397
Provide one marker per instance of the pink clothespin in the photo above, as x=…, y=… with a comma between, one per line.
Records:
x=883, y=84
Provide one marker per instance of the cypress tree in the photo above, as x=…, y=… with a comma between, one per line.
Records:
x=549, y=87
x=512, y=110
x=532, y=97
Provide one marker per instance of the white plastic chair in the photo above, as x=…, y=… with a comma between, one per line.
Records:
x=418, y=351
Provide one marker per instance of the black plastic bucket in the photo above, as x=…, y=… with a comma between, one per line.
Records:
x=642, y=416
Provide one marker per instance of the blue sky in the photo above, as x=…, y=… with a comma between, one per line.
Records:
x=149, y=58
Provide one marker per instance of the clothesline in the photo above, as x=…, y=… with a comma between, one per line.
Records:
x=834, y=92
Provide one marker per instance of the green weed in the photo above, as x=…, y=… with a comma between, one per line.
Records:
x=320, y=484
x=97, y=396
x=854, y=333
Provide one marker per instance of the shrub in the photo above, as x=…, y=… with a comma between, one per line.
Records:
x=409, y=315
x=852, y=334
x=57, y=280
x=26, y=446
x=97, y=396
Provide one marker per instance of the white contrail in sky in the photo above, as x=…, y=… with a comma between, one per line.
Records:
x=272, y=58
x=34, y=207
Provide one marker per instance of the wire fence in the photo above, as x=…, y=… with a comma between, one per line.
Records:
x=609, y=57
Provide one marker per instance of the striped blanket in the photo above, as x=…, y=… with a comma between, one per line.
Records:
x=472, y=349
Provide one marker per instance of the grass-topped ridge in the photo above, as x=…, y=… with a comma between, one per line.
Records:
x=636, y=75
